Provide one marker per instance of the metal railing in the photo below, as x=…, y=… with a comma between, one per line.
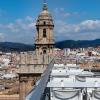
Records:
x=37, y=92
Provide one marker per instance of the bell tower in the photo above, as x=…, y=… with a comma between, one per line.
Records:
x=44, y=40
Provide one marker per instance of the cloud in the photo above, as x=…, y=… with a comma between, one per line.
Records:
x=12, y=27
x=25, y=24
x=88, y=29
x=28, y=18
x=90, y=25
x=61, y=13
x=22, y=30
x=2, y=36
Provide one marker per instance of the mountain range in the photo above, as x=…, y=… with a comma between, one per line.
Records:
x=77, y=44
x=19, y=47
x=10, y=46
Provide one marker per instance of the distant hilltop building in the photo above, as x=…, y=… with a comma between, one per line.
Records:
x=44, y=41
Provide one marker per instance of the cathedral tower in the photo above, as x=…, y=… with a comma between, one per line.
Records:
x=44, y=40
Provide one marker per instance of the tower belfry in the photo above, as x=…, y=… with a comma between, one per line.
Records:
x=44, y=40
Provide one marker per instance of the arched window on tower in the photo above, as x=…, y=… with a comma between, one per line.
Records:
x=44, y=23
x=44, y=50
x=44, y=33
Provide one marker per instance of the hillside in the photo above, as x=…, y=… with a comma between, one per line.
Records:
x=78, y=44
x=9, y=46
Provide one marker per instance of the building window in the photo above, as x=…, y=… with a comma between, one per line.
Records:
x=44, y=23
x=44, y=51
x=38, y=30
x=51, y=47
x=37, y=47
x=44, y=33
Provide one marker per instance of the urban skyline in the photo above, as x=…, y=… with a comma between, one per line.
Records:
x=46, y=71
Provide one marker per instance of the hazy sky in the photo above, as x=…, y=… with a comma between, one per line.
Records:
x=74, y=19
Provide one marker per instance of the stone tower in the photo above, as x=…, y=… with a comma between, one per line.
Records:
x=44, y=40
